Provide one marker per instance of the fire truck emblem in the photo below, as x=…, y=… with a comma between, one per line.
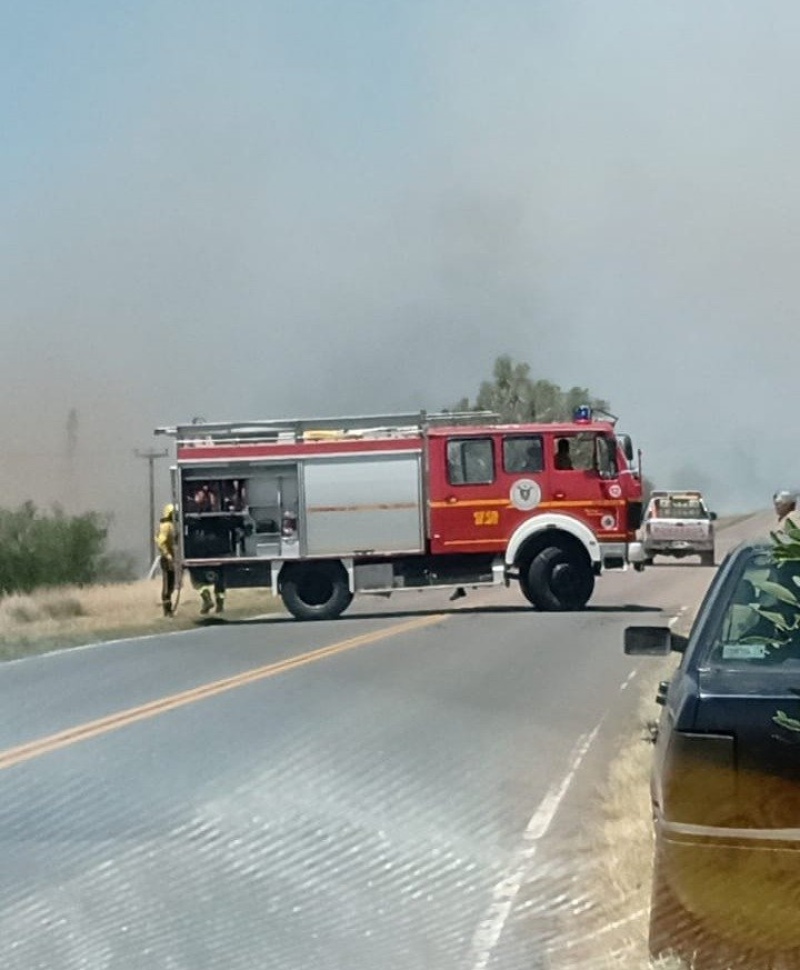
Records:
x=525, y=494
x=615, y=491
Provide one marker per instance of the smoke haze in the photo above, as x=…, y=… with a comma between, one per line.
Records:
x=264, y=209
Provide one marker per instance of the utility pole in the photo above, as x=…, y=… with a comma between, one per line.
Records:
x=151, y=457
x=74, y=503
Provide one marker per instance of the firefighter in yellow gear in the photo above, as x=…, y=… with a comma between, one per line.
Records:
x=212, y=594
x=165, y=541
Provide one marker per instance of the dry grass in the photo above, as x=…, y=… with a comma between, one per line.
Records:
x=619, y=846
x=53, y=619
x=624, y=842
x=615, y=858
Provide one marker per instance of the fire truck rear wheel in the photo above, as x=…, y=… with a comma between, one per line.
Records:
x=559, y=579
x=316, y=591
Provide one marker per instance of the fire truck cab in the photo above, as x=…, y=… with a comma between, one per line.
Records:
x=318, y=510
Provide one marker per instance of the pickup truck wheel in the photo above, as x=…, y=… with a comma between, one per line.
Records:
x=559, y=579
x=316, y=591
x=706, y=558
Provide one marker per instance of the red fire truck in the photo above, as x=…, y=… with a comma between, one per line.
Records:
x=320, y=509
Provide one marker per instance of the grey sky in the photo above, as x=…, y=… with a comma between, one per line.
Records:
x=258, y=209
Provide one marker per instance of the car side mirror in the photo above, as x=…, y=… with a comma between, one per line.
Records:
x=653, y=641
x=713, y=516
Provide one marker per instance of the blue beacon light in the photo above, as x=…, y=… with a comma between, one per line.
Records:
x=582, y=414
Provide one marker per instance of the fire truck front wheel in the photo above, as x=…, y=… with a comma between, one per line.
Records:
x=316, y=591
x=559, y=579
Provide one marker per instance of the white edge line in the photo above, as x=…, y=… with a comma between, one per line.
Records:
x=490, y=929
x=79, y=648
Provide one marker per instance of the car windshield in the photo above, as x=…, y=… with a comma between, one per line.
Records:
x=759, y=623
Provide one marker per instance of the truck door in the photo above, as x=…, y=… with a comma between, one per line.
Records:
x=585, y=480
x=464, y=496
x=521, y=478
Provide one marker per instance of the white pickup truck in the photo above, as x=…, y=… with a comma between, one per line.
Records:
x=678, y=524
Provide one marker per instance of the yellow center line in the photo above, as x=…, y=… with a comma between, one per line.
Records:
x=92, y=729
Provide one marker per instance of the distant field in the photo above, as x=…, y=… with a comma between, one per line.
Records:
x=69, y=616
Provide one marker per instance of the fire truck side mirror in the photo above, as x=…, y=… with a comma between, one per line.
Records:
x=627, y=445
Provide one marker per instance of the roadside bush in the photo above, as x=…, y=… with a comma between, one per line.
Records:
x=49, y=548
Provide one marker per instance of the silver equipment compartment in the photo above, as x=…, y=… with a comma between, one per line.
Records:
x=359, y=505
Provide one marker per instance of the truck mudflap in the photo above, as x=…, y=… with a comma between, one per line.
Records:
x=619, y=555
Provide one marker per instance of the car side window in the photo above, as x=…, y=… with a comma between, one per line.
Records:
x=470, y=461
x=758, y=619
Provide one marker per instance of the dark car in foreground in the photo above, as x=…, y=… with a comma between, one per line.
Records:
x=725, y=781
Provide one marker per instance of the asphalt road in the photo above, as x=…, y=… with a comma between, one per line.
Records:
x=369, y=793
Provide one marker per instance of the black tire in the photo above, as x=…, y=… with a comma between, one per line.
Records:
x=649, y=560
x=316, y=591
x=559, y=579
x=524, y=585
x=706, y=558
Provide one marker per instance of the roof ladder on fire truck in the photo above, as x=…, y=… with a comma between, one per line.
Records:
x=296, y=429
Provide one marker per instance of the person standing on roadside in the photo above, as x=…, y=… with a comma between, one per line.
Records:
x=786, y=509
x=165, y=541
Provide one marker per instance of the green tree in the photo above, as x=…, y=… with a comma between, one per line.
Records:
x=50, y=548
x=516, y=397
